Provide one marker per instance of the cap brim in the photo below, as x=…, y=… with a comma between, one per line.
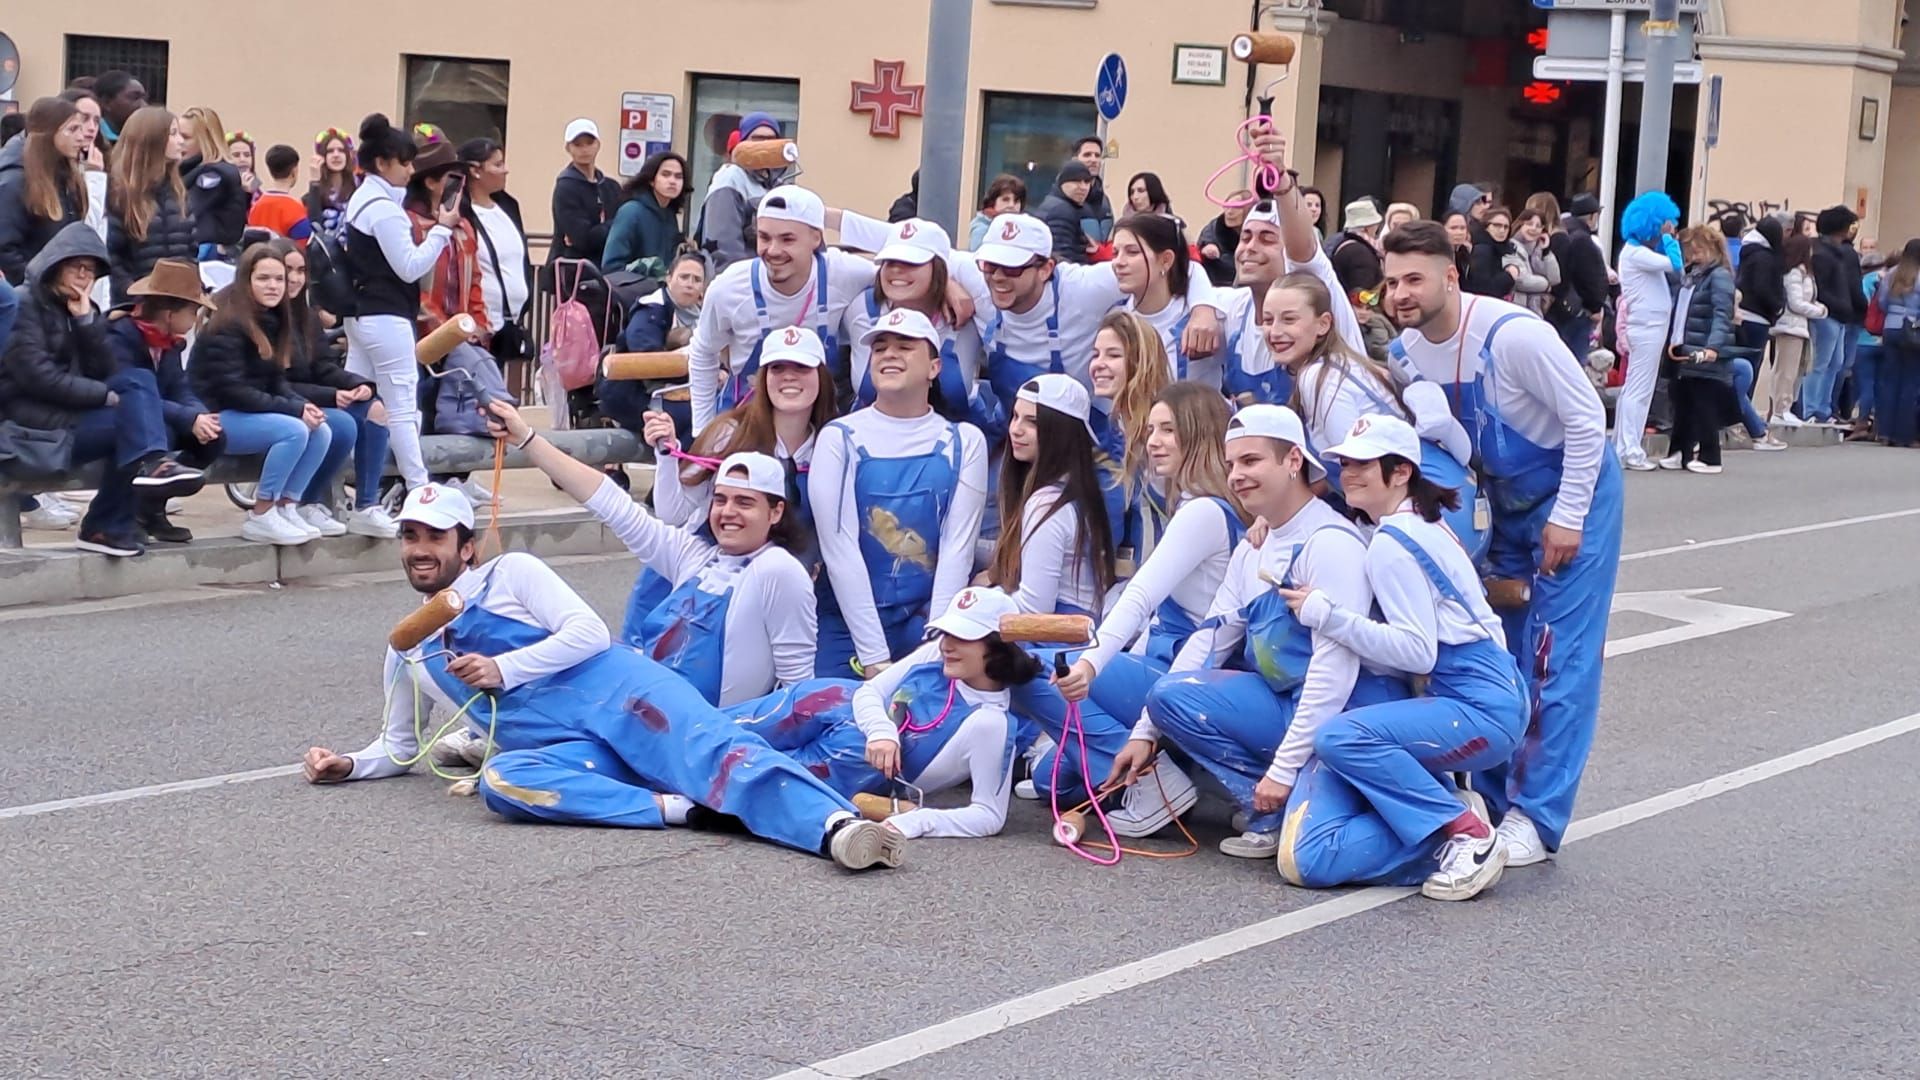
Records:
x=803, y=359
x=905, y=253
x=963, y=627
x=1005, y=255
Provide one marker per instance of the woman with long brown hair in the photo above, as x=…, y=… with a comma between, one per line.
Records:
x=51, y=189
x=147, y=215
x=239, y=368
x=216, y=193
x=1898, y=399
x=1055, y=553
x=334, y=182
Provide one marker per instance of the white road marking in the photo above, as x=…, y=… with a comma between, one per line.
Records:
x=1697, y=618
x=993, y=1019
x=1797, y=530
x=148, y=792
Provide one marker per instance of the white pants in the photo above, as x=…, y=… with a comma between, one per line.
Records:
x=380, y=347
x=1645, y=345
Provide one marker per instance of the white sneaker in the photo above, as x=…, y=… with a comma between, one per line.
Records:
x=1787, y=419
x=457, y=749
x=176, y=506
x=271, y=528
x=1154, y=800
x=287, y=514
x=1469, y=865
x=1768, y=442
x=477, y=493
x=1639, y=464
x=52, y=513
x=861, y=845
x=1251, y=845
x=1025, y=790
x=373, y=521
x=1522, y=841
x=1672, y=461
x=1704, y=469
x=319, y=519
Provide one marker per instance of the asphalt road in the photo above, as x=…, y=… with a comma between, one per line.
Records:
x=1758, y=925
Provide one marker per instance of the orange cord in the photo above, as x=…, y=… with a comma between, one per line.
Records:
x=493, y=507
x=1193, y=844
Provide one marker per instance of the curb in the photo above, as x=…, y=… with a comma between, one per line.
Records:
x=59, y=575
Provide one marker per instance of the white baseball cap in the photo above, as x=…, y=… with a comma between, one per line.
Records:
x=764, y=474
x=794, y=345
x=1266, y=212
x=1061, y=393
x=437, y=506
x=917, y=242
x=974, y=613
x=905, y=322
x=1373, y=437
x=791, y=202
x=582, y=126
x=1274, y=422
x=1014, y=240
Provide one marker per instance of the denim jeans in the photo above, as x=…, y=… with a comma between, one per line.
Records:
x=1743, y=389
x=352, y=433
x=293, y=452
x=9, y=308
x=1823, y=369
x=1899, y=390
x=1866, y=376
x=124, y=434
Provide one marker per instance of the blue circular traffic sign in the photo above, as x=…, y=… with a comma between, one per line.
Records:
x=1110, y=89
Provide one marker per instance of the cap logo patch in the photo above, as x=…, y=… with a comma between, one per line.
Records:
x=1011, y=231
x=792, y=337
x=907, y=229
x=966, y=599
x=428, y=494
x=1361, y=425
x=896, y=319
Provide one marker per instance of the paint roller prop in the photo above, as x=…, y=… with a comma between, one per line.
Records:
x=1254, y=49
x=635, y=366
x=443, y=339
x=433, y=616
x=409, y=633
x=1070, y=826
x=768, y=155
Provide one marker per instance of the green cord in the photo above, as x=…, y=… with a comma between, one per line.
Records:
x=426, y=745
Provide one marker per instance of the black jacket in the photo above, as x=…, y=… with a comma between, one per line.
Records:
x=23, y=233
x=1836, y=278
x=1708, y=323
x=1355, y=262
x=218, y=199
x=178, y=402
x=55, y=366
x=1584, y=271
x=1062, y=216
x=1763, y=276
x=170, y=230
x=1485, y=275
x=583, y=211
x=315, y=374
x=1217, y=232
x=228, y=371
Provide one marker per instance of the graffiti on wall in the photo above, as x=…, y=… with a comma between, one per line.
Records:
x=1760, y=208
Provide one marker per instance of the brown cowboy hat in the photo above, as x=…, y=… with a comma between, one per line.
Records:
x=175, y=279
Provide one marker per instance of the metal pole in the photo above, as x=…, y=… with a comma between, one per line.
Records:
x=1656, y=95
x=1610, y=131
x=943, y=132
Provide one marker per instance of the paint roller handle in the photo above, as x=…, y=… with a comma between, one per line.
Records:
x=657, y=430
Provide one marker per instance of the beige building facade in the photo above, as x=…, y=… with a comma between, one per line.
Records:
x=1821, y=102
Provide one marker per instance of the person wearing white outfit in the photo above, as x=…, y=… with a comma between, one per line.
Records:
x=1650, y=265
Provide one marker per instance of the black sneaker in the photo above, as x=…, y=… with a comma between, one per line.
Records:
x=161, y=529
x=119, y=547
x=162, y=476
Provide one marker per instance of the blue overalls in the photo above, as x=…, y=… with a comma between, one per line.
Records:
x=1471, y=523
x=1175, y=341
x=687, y=633
x=592, y=744
x=1233, y=722
x=1561, y=637
x=902, y=503
x=1367, y=810
x=739, y=384
x=1242, y=388
x=1008, y=375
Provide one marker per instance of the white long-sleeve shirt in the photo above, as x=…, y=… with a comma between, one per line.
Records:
x=1646, y=300
x=1188, y=563
x=1086, y=293
x=1053, y=569
x=1242, y=315
x=376, y=210
x=975, y=755
x=677, y=502
x=520, y=587
x=836, y=516
x=771, y=630
x=1333, y=560
x=730, y=324
x=1333, y=400
x=1538, y=386
x=1417, y=619
x=871, y=234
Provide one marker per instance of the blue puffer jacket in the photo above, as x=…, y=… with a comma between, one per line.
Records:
x=1708, y=322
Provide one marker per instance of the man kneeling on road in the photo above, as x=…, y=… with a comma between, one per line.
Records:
x=589, y=733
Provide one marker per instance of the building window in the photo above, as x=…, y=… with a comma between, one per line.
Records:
x=465, y=98
x=143, y=58
x=1030, y=136
x=719, y=101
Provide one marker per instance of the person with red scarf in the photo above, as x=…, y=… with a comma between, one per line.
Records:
x=151, y=333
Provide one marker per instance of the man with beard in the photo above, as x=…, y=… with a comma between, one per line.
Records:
x=588, y=733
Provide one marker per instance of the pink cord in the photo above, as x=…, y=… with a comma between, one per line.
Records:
x=1073, y=728
x=672, y=450
x=1265, y=174
x=909, y=726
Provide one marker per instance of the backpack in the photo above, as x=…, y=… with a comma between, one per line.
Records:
x=329, y=283
x=572, y=349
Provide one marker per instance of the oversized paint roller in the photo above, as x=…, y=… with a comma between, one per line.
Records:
x=880, y=807
x=1508, y=594
x=767, y=155
x=631, y=366
x=1258, y=47
x=433, y=617
x=1071, y=630
x=444, y=338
